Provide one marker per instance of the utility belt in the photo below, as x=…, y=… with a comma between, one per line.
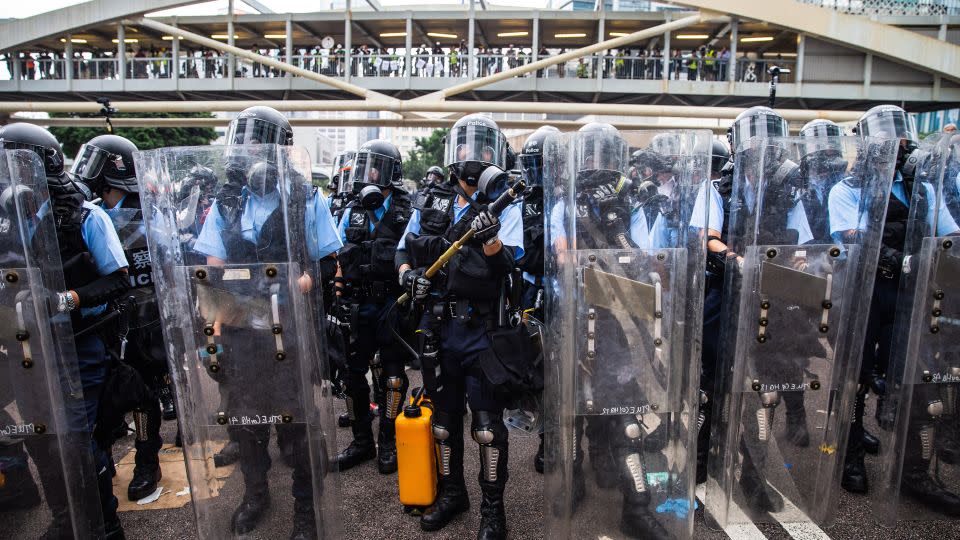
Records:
x=475, y=313
x=373, y=292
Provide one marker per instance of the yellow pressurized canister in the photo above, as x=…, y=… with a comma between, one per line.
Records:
x=416, y=460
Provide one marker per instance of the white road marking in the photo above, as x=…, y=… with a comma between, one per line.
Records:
x=740, y=526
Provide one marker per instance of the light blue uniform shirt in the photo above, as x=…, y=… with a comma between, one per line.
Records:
x=378, y=213
x=322, y=239
x=102, y=242
x=638, y=226
x=845, y=214
x=796, y=216
x=511, y=226
x=708, y=195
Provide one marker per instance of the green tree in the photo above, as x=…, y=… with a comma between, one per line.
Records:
x=145, y=138
x=427, y=152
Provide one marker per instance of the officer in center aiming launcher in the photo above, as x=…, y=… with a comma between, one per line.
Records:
x=461, y=306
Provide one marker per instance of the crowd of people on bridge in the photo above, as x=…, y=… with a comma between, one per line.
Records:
x=705, y=63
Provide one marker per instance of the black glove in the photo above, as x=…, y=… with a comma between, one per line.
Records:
x=340, y=313
x=415, y=284
x=487, y=226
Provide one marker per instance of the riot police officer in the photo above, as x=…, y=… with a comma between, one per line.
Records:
x=371, y=227
x=531, y=265
x=95, y=270
x=106, y=165
x=890, y=121
x=433, y=177
x=465, y=300
x=242, y=227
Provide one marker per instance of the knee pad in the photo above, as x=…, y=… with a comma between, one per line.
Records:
x=488, y=429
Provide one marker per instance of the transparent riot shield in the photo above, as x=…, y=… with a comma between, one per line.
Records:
x=920, y=451
x=624, y=277
x=793, y=326
x=48, y=481
x=239, y=296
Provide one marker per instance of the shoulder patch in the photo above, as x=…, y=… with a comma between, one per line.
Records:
x=442, y=205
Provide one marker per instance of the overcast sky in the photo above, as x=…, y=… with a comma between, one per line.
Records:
x=34, y=7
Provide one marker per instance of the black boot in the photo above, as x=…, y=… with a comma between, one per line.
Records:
x=854, y=477
x=19, y=490
x=538, y=459
x=636, y=518
x=948, y=426
x=251, y=510
x=344, y=420
x=362, y=448
x=227, y=455
x=60, y=527
x=113, y=530
x=637, y=521
x=796, y=414
x=758, y=494
x=920, y=486
x=387, y=446
x=871, y=444
x=703, y=436
x=165, y=393
x=452, y=499
x=144, y=481
x=605, y=472
x=304, y=521
x=490, y=433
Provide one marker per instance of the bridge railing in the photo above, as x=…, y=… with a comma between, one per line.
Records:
x=890, y=7
x=688, y=68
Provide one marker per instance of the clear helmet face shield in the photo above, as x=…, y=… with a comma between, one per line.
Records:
x=373, y=169
x=888, y=123
x=761, y=125
x=473, y=147
x=250, y=130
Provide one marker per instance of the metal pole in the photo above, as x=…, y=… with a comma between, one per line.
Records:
x=801, y=46
x=867, y=73
x=408, y=43
x=230, y=41
x=535, y=47
x=397, y=106
x=565, y=57
x=175, y=58
x=265, y=60
x=666, y=55
x=734, y=30
x=289, y=43
x=471, y=42
x=347, y=43
x=121, y=52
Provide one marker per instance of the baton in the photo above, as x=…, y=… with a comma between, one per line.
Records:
x=495, y=208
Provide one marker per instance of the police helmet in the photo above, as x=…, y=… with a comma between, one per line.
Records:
x=260, y=125
x=434, y=176
x=202, y=177
x=262, y=178
x=756, y=122
x=378, y=163
x=720, y=156
x=106, y=161
x=531, y=156
x=24, y=195
x=821, y=128
x=888, y=122
x=474, y=143
x=600, y=153
x=339, y=163
x=25, y=136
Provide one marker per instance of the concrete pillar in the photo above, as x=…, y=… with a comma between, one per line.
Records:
x=471, y=42
x=942, y=36
x=801, y=42
x=535, y=47
x=289, y=43
x=408, y=44
x=17, y=72
x=734, y=39
x=867, y=74
x=601, y=31
x=68, y=62
x=121, y=52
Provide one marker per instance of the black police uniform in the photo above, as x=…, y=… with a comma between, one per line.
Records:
x=366, y=263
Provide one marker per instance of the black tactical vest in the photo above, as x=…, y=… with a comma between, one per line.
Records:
x=271, y=244
x=898, y=214
x=139, y=266
x=467, y=275
x=367, y=256
x=532, y=210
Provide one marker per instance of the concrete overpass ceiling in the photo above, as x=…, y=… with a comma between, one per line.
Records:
x=492, y=28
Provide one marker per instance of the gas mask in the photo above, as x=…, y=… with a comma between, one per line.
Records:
x=262, y=178
x=371, y=198
x=913, y=162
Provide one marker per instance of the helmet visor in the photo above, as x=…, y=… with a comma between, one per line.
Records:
x=532, y=167
x=890, y=123
x=373, y=169
x=758, y=125
x=476, y=143
x=601, y=151
x=340, y=161
x=255, y=131
x=90, y=161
